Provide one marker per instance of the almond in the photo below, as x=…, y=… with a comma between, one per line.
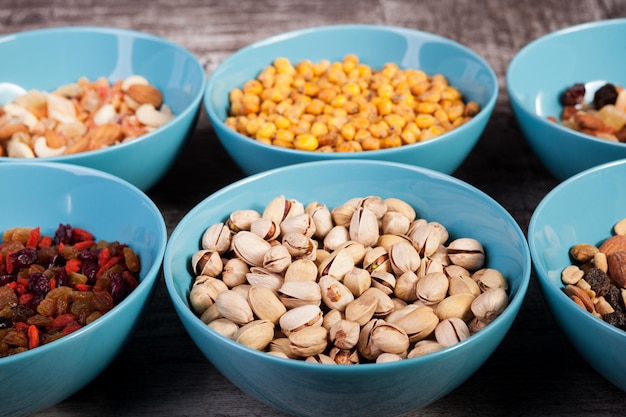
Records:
x=105, y=135
x=613, y=244
x=9, y=129
x=617, y=268
x=53, y=139
x=587, y=121
x=145, y=94
x=578, y=294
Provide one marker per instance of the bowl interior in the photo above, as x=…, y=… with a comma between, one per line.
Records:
x=436, y=197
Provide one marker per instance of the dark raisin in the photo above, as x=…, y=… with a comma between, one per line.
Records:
x=573, y=95
x=22, y=258
x=39, y=284
x=599, y=281
x=607, y=94
x=6, y=278
x=614, y=298
x=6, y=323
x=22, y=313
x=118, y=287
x=63, y=234
x=616, y=318
x=89, y=269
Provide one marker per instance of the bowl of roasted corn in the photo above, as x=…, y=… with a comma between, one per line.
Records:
x=351, y=92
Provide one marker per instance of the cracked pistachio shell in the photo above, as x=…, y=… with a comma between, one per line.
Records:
x=376, y=258
x=384, y=303
x=384, y=281
x=250, y=248
x=234, y=307
x=362, y=309
x=390, y=338
x=224, y=327
x=424, y=347
x=475, y=325
x=427, y=237
x=262, y=276
x=207, y=262
x=332, y=317
x=265, y=303
x=301, y=270
x=308, y=341
x=488, y=278
x=336, y=236
x=451, y=331
x=365, y=346
x=338, y=264
x=455, y=270
x=300, y=223
x=210, y=314
x=418, y=322
x=463, y=284
x=403, y=257
x=242, y=289
x=321, y=358
x=277, y=259
x=240, y=220
x=357, y=280
x=344, y=356
x=364, y=227
x=429, y=265
x=234, y=272
x=297, y=293
x=458, y=305
x=256, y=335
x=400, y=206
x=432, y=288
x=467, y=252
x=204, y=292
x=216, y=238
x=490, y=304
x=355, y=249
x=377, y=205
x=281, y=345
x=342, y=215
x=266, y=229
x=321, y=217
x=387, y=240
x=388, y=357
x=344, y=334
x=300, y=246
x=405, y=288
x=395, y=223
x=299, y=317
x=441, y=256
x=280, y=208
x=335, y=295
x=414, y=225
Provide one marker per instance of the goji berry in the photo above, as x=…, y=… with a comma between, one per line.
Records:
x=20, y=326
x=33, y=238
x=79, y=235
x=62, y=320
x=104, y=256
x=26, y=298
x=71, y=327
x=83, y=287
x=109, y=264
x=45, y=242
x=53, y=283
x=73, y=265
x=33, y=336
x=84, y=245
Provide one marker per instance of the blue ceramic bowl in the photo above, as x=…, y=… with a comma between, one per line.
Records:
x=307, y=389
x=49, y=58
x=582, y=209
x=374, y=46
x=546, y=67
x=46, y=194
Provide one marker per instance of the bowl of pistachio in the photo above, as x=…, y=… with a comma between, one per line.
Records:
x=397, y=282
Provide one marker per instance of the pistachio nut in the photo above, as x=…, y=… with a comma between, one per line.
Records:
x=234, y=272
x=384, y=281
x=463, y=284
x=207, y=262
x=282, y=345
x=467, y=252
x=216, y=238
x=488, y=278
x=234, y=307
x=240, y=220
x=204, y=292
x=364, y=227
x=334, y=294
x=429, y=265
x=265, y=228
x=394, y=223
x=357, y=280
x=308, y=341
x=242, y=289
x=262, y=276
x=297, y=293
x=265, y=303
x=224, y=327
x=280, y=208
x=428, y=236
x=277, y=259
x=300, y=223
x=432, y=288
x=321, y=358
x=338, y=264
x=490, y=304
x=375, y=204
x=332, y=317
x=475, y=325
x=451, y=331
x=337, y=236
x=250, y=248
x=406, y=286
x=386, y=240
x=355, y=249
x=300, y=317
x=344, y=334
x=424, y=347
x=300, y=246
x=417, y=321
x=403, y=257
x=321, y=217
x=362, y=309
x=301, y=270
x=379, y=336
x=210, y=314
x=400, y=206
x=376, y=258
x=342, y=215
x=388, y=357
x=344, y=356
x=384, y=303
x=256, y=335
x=458, y=305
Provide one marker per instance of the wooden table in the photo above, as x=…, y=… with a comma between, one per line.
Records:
x=534, y=372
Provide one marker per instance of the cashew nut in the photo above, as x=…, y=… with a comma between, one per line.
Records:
x=42, y=149
x=20, y=112
x=105, y=114
x=18, y=149
x=150, y=116
x=134, y=79
x=61, y=108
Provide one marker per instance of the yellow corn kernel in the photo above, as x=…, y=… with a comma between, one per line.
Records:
x=420, y=88
x=267, y=76
x=411, y=133
x=350, y=146
x=305, y=68
x=365, y=71
x=351, y=89
x=340, y=111
x=283, y=144
x=348, y=131
x=432, y=132
x=450, y=93
x=336, y=76
x=350, y=62
x=384, y=106
x=283, y=66
x=392, y=141
x=306, y=142
x=385, y=91
x=231, y=122
x=424, y=121
x=431, y=96
x=335, y=123
x=295, y=112
x=242, y=123
x=250, y=103
x=321, y=67
x=339, y=100
x=362, y=134
x=252, y=126
x=360, y=122
x=275, y=94
x=236, y=108
x=315, y=107
x=330, y=139
x=370, y=144
x=439, y=79
x=253, y=87
x=318, y=128
x=235, y=95
x=441, y=115
x=268, y=107
x=308, y=117
x=283, y=106
x=471, y=109
x=284, y=135
x=351, y=107
x=379, y=130
x=266, y=130
x=415, y=76
x=395, y=121
x=281, y=122
x=390, y=69
x=425, y=107
x=405, y=111
x=327, y=95
x=303, y=126
x=266, y=141
x=311, y=89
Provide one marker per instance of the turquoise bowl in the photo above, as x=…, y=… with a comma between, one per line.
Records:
x=582, y=209
x=46, y=59
x=387, y=389
x=545, y=68
x=374, y=46
x=46, y=194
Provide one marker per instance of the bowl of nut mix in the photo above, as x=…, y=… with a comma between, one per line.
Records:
x=577, y=238
x=375, y=285
x=116, y=100
x=351, y=92
x=76, y=275
x=567, y=92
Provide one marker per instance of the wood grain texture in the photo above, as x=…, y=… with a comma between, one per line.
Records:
x=534, y=372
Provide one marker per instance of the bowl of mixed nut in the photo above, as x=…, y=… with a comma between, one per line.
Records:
x=120, y=101
x=375, y=285
x=567, y=92
x=351, y=92
x=76, y=274
x=577, y=239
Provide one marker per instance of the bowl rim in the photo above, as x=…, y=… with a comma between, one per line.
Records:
x=520, y=55
x=484, y=113
x=547, y=284
x=195, y=322
x=150, y=276
x=192, y=107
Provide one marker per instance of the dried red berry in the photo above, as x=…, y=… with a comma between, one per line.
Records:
x=573, y=95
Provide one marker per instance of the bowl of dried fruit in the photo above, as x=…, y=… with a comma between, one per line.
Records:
x=577, y=239
x=351, y=92
x=120, y=101
x=381, y=291
x=567, y=92
x=76, y=274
